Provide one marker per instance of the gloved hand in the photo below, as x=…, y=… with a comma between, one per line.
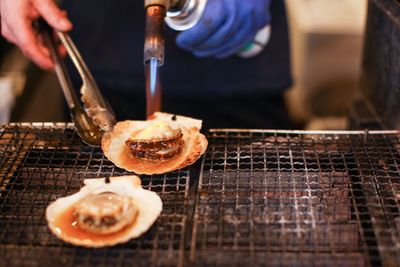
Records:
x=225, y=27
x=16, y=26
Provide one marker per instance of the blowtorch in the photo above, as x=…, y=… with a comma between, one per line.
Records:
x=179, y=15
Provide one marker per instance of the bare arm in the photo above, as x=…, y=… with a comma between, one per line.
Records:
x=17, y=17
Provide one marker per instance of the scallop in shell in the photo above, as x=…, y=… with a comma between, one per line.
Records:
x=104, y=212
x=164, y=143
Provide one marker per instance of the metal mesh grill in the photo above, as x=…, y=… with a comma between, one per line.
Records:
x=298, y=199
x=39, y=165
x=262, y=198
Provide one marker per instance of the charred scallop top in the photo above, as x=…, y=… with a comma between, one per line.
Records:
x=158, y=142
x=105, y=213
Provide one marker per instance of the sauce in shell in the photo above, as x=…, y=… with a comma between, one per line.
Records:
x=66, y=225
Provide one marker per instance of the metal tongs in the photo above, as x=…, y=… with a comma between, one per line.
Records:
x=95, y=116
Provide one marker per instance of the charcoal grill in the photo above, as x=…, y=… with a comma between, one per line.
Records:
x=276, y=198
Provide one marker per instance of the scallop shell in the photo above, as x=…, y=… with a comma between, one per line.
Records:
x=148, y=203
x=115, y=149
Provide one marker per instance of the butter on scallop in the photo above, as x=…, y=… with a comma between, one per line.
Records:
x=164, y=143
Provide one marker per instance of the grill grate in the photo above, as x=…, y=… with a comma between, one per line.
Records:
x=274, y=198
x=39, y=165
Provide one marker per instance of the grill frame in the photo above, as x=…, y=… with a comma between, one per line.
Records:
x=179, y=238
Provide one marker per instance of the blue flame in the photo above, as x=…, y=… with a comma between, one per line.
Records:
x=153, y=75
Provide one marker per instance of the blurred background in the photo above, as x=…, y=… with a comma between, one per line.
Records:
x=326, y=42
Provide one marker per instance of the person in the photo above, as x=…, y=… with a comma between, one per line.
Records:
x=203, y=77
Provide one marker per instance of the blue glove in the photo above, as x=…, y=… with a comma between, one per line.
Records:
x=225, y=27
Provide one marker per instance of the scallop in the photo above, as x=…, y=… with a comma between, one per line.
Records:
x=164, y=143
x=105, y=212
x=158, y=142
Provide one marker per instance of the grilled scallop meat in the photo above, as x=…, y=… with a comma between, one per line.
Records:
x=162, y=144
x=105, y=212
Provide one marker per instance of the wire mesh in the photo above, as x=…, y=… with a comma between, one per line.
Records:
x=263, y=198
x=42, y=163
x=298, y=199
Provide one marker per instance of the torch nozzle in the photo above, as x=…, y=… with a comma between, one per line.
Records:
x=154, y=42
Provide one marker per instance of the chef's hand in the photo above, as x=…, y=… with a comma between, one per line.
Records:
x=225, y=27
x=17, y=17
